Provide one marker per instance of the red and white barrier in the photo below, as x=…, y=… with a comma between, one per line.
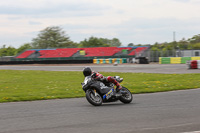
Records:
x=194, y=64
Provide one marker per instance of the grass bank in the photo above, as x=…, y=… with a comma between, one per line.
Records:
x=17, y=85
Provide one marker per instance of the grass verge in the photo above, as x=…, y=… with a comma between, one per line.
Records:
x=18, y=85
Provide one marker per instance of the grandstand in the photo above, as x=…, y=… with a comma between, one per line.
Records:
x=80, y=54
x=25, y=54
x=88, y=52
x=138, y=50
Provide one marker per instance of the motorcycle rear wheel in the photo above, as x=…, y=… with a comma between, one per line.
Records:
x=126, y=96
x=92, y=99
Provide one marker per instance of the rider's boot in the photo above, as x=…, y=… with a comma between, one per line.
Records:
x=118, y=88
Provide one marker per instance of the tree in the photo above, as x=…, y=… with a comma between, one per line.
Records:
x=105, y=41
x=9, y=51
x=24, y=47
x=183, y=44
x=115, y=42
x=93, y=42
x=3, y=51
x=52, y=37
x=196, y=46
x=130, y=44
x=100, y=42
x=195, y=39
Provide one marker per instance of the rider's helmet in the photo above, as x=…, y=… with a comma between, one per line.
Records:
x=87, y=71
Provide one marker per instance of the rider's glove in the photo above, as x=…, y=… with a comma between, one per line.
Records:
x=94, y=75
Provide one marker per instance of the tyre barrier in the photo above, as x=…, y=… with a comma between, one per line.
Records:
x=193, y=64
x=110, y=61
x=176, y=60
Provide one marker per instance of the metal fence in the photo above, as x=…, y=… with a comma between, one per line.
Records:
x=6, y=58
x=153, y=56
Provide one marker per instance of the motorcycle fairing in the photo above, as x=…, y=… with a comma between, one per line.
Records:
x=100, y=87
x=109, y=94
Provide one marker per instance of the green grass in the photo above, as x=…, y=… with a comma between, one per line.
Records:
x=17, y=85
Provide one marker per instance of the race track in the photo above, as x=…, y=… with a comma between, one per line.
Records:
x=136, y=68
x=167, y=112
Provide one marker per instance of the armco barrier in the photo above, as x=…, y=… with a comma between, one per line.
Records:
x=176, y=60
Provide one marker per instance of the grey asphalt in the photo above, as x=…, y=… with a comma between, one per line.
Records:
x=166, y=112
x=146, y=68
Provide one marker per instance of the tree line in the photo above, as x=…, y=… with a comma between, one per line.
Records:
x=183, y=44
x=55, y=37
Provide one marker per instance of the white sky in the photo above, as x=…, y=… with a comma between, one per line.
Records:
x=131, y=21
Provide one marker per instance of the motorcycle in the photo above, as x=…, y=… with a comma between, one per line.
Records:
x=98, y=92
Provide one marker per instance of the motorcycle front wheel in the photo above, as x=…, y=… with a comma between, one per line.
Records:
x=126, y=95
x=92, y=98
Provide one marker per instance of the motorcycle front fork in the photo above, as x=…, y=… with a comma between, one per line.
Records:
x=95, y=92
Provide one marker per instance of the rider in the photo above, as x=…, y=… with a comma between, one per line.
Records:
x=96, y=75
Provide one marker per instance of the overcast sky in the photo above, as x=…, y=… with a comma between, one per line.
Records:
x=131, y=21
